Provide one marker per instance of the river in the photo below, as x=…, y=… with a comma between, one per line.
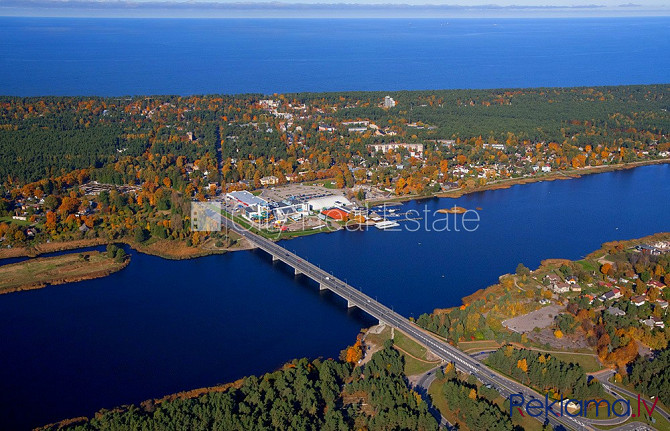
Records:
x=162, y=326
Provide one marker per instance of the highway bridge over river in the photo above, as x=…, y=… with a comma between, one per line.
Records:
x=436, y=345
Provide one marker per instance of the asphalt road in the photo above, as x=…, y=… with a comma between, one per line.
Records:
x=421, y=386
x=442, y=349
x=604, y=377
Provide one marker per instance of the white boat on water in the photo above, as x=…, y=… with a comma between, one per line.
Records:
x=386, y=225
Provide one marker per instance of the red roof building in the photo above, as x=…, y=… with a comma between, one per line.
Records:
x=335, y=214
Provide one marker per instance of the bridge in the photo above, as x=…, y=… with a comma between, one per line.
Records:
x=436, y=345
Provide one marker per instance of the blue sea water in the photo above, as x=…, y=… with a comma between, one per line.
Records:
x=112, y=57
x=160, y=326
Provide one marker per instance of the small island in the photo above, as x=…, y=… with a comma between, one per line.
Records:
x=453, y=210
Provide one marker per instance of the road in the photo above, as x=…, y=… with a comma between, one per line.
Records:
x=604, y=377
x=442, y=349
x=421, y=386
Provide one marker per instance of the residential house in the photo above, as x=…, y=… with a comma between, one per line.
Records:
x=657, y=284
x=653, y=322
x=269, y=181
x=614, y=311
x=561, y=287
x=553, y=278
x=611, y=294
x=638, y=300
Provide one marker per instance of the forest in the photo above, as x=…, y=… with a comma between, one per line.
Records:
x=157, y=153
x=304, y=395
x=41, y=137
x=652, y=376
x=545, y=373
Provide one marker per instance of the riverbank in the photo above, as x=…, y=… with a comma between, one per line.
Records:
x=166, y=249
x=524, y=307
x=49, y=271
x=509, y=182
x=175, y=250
x=551, y=176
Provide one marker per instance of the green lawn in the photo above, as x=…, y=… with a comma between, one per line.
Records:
x=590, y=364
x=408, y=345
x=412, y=365
x=438, y=400
x=475, y=346
x=588, y=265
x=18, y=222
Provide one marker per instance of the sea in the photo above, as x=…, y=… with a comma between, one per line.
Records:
x=116, y=57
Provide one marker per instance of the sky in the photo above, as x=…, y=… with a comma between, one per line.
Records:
x=335, y=8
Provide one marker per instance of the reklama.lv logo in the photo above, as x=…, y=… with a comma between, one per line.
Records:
x=574, y=407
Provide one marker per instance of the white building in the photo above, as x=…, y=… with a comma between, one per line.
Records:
x=389, y=102
x=269, y=181
x=246, y=199
x=317, y=204
x=294, y=212
x=415, y=150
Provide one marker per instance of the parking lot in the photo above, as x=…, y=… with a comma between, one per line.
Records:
x=300, y=191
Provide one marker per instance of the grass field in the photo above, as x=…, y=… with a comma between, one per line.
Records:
x=17, y=222
x=440, y=402
x=477, y=346
x=587, y=265
x=35, y=273
x=589, y=363
x=412, y=365
x=413, y=353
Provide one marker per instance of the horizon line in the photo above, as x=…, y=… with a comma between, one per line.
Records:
x=300, y=10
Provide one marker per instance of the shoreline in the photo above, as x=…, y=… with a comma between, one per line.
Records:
x=509, y=182
x=192, y=253
x=64, y=279
x=56, y=247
